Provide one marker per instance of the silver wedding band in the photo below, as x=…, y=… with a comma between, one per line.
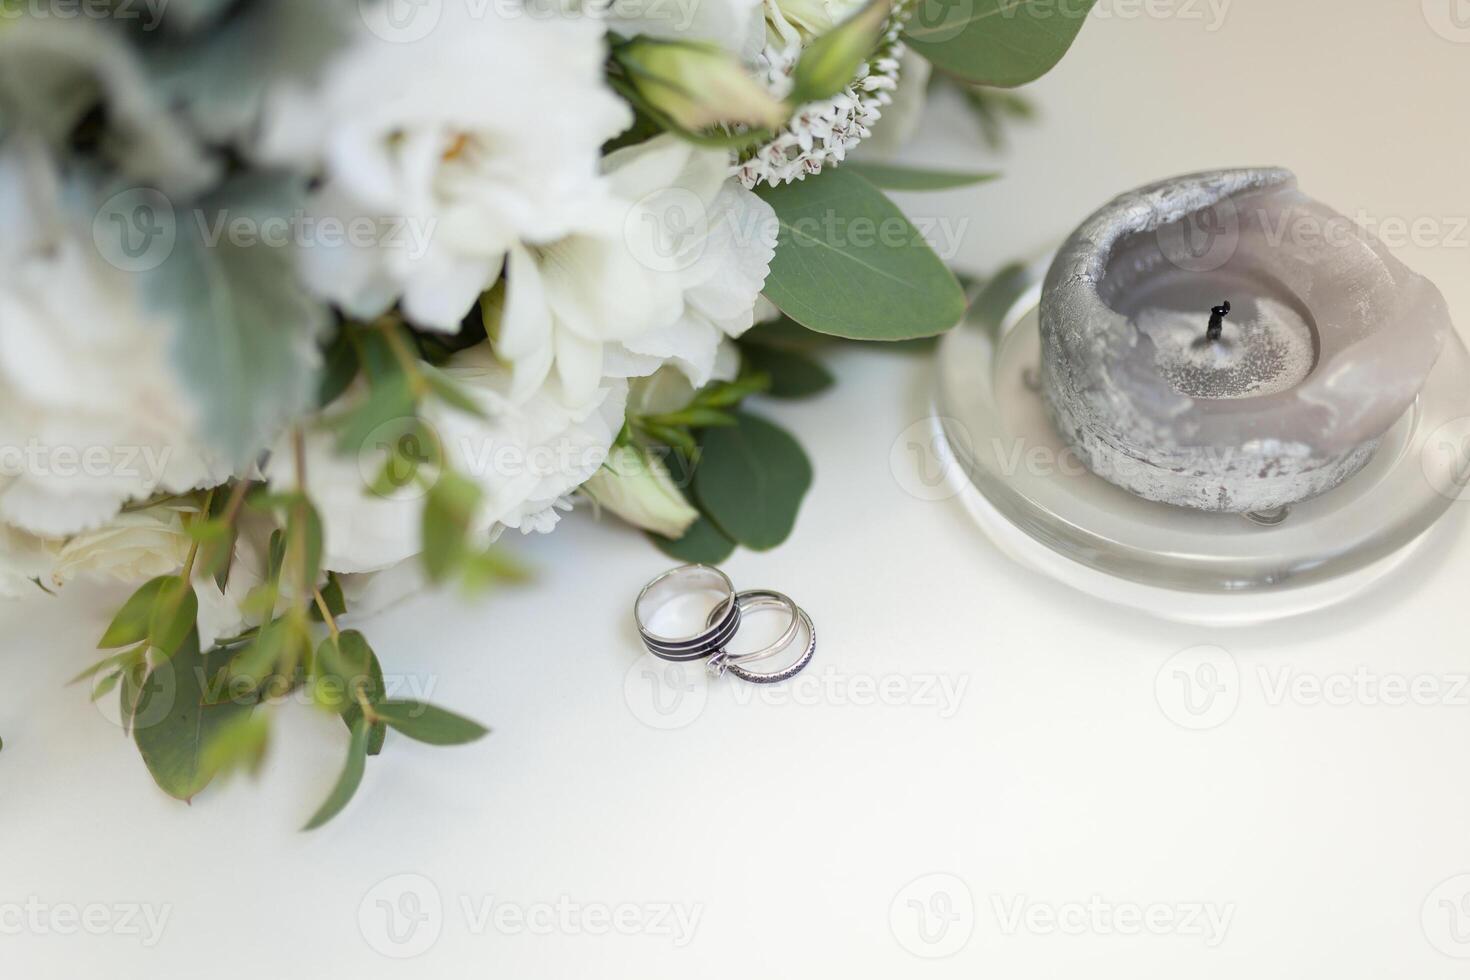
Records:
x=724, y=619
x=722, y=624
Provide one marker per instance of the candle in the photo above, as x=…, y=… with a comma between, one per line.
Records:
x=1224, y=342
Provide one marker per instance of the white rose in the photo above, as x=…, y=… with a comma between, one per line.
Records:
x=450, y=150
x=639, y=489
x=526, y=457
x=91, y=414
x=133, y=547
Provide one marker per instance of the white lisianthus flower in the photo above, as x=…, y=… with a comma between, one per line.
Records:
x=639, y=489
x=526, y=456
x=665, y=275
x=91, y=412
x=441, y=154
x=739, y=26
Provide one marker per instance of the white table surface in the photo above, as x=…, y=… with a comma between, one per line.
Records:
x=973, y=740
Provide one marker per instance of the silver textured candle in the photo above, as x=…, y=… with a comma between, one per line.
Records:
x=1223, y=342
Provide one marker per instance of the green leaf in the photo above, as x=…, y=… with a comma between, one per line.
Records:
x=848, y=263
x=332, y=594
x=383, y=415
x=340, y=366
x=829, y=63
x=361, y=668
x=786, y=333
x=216, y=539
x=172, y=725
x=426, y=723
x=129, y=692
x=245, y=328
x=351, y=778
x=130, y=625
x=996, y=42
x=751, y=480
x=895, y=178
x=175, y=612
x=792, y=374
x=449, y=514
x=702, y=544
x=238, y=744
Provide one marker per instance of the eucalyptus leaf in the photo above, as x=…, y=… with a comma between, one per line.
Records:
x=848, y=263
x=245, y=329
x=351, y=778
x=172, y=724
x=892, y=177
x=130, y=625
x=427, y=723
x=829, y=63
x=448, y=515
x=175, y=613
x=996, y=42
x=702, y=544
x=751, y=480
x=792, y=374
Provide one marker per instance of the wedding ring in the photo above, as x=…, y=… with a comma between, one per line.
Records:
x=748, y=601
x=677, y=583
x=785, y=673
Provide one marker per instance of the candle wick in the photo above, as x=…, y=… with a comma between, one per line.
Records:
x=1217, y=321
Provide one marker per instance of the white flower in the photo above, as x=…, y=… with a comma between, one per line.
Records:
x=663, y=276
x=133, y=547
x=807, y=18
x=526, y=457
x=448, y=151
x=738, y=26
x=91, y=413
x=638, y=489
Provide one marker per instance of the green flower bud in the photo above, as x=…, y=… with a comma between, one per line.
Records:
x=639, y=489
x=698, y=85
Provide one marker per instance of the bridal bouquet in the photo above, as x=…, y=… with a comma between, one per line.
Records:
x=304, y=302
